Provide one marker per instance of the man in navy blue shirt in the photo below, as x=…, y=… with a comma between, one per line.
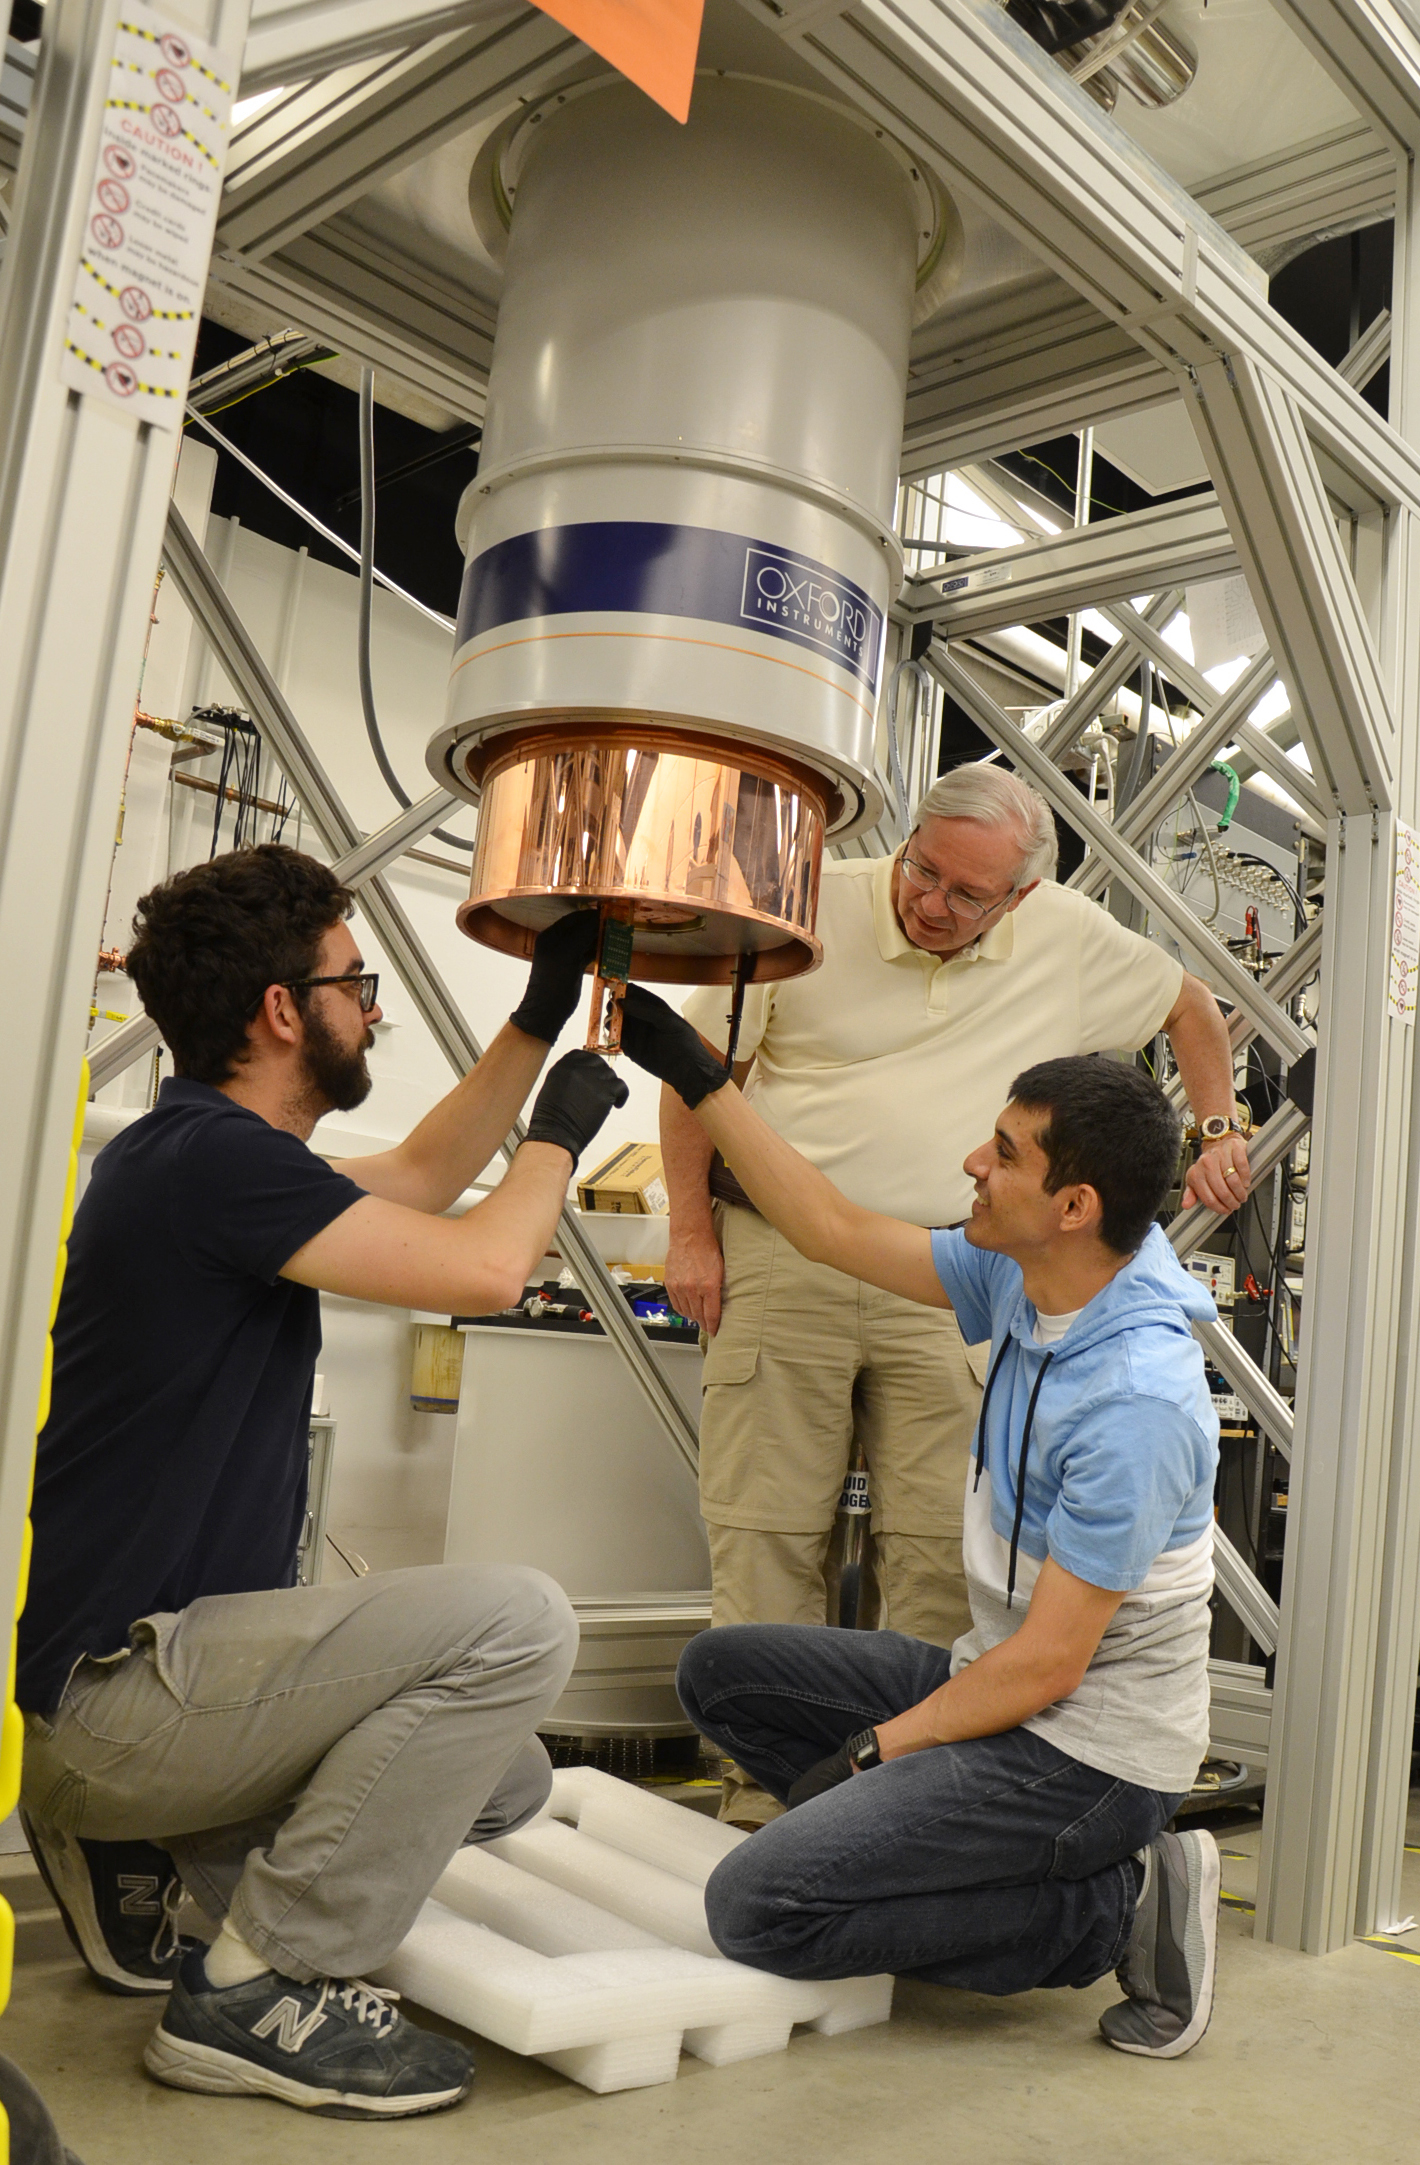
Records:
x=995, y=1816
x=304, y=1760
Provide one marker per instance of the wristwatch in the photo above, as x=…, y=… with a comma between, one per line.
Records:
x=1217, y=1125
x=863, y=1751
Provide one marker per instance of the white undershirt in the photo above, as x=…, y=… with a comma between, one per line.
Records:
x=1050, y=1329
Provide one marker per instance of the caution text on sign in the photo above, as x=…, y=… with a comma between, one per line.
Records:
x=147, y=239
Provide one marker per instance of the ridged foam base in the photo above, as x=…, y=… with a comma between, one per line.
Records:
x=581, y=1941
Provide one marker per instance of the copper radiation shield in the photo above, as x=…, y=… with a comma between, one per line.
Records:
x=710, y=848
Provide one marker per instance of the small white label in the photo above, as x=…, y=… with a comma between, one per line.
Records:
x=854, y=1499
x=657, y=1200
x=133, y=321
x=1405, y=928
x=1229, y=1407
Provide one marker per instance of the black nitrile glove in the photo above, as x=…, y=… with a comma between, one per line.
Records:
x=560, y=958
x=1056, y=24
x=574, y=1101
x=665, y=1044
x=826, y=1775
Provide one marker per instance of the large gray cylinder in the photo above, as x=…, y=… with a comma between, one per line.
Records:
x=684, y=509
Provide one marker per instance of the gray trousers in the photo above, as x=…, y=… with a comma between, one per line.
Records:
x=312, y=1758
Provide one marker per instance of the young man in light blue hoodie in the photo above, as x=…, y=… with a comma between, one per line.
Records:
x=995, y=1818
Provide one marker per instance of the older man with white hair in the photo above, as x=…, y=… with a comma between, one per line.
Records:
x=947, y=968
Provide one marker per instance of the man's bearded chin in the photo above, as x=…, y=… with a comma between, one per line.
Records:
x=335, y=1073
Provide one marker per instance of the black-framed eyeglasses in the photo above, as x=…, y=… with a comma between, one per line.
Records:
x=365, y=983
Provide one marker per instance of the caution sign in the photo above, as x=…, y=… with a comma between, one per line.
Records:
x=138, y=296
x=1405, y=926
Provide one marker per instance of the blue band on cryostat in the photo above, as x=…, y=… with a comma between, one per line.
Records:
x=642, y=568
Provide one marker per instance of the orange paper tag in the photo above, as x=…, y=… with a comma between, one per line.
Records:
x=653, y=43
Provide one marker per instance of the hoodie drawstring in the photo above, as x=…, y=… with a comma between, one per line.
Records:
x=1025, y=1450
x=981, y=1417
x=1021, y=1481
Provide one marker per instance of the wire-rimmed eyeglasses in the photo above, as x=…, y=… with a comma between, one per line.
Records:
x=925, y=880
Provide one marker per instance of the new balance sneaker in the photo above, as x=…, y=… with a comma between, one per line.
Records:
x=119, y=1902
x=336, y=2046
x=1167, y=1971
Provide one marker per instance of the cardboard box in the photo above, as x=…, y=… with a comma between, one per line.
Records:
x=630, y=1183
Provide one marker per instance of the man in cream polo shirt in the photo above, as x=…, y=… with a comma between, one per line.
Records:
x=947, y=969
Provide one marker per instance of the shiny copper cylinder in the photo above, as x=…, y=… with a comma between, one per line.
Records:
x=712, y=848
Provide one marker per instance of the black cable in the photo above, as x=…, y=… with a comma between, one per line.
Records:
x=281, y=820
x=221, y=794
x=1281, y=1291
x=367, y=593
x=1133, y=775
x=1235, y=1459
x=461, y=439
x=1238, y=1235
x=1245, y=856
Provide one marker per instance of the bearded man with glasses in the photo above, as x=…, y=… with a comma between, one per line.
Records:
x=947, y=968
x=302, y=1760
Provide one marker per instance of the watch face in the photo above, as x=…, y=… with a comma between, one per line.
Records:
x=1214, y=1127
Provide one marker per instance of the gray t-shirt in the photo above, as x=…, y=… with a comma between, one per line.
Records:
x=1118, y=1490
x=1141, y=1711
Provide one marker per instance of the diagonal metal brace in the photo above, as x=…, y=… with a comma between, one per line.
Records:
x=1271, y=1020
x=1179, y=772
x=235, y=649
x=1245, y=1594
x=1190, y=1228
x=123, y=1046
x=1237, y=1583
x=1293, y=969
x=1105, y=679
x=1259, y=746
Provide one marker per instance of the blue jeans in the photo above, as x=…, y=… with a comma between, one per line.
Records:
x=996, y=1865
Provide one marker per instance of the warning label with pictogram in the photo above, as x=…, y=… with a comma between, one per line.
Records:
x=137, y=302
x=1405, y=926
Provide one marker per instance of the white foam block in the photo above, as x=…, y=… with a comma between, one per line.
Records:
x=625, y=2063
x=534, y=2003
x=722, y=2043
x=644, y=1894
x=534, y=1912
x=585, y=1945
x=646, y=1827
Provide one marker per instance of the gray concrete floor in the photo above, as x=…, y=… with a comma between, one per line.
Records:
x=1307, y=2063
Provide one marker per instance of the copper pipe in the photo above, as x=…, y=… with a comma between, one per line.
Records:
x=264, y=804
x=712, y=847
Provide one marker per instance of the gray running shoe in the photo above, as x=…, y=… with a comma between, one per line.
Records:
x=1167, y=1971
x=336, y=2046
x=119, y=1903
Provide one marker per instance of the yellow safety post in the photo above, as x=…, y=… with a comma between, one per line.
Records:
x=12, y=1726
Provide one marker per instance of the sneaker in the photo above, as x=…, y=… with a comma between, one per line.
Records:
x=336, y=2046
x=119, y=1902
x=1167, y=1971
